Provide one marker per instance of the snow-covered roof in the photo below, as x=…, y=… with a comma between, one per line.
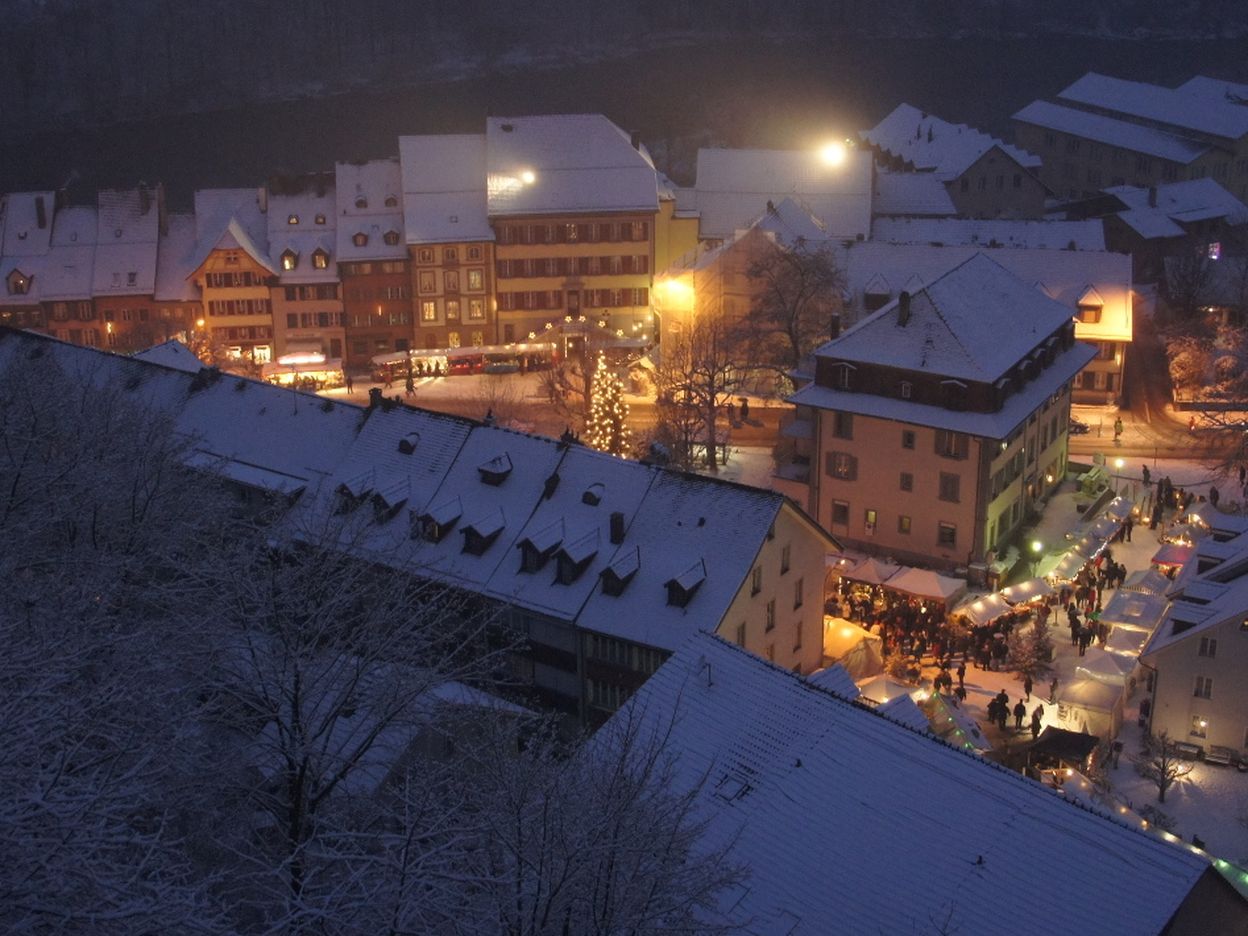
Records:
x=24, y=235
x=790, y=222
x=227, y=219
x=1063, y=275
x=916, y=194
x=444, y=188
x=734, y=186
x=171, y=353
x=369, y=198
x=1053, y=235
x=975, y=322
x=1176, y=204
x=787, y=771
x=67, y=267
x=565, y=163
x=1111, y=131
x=1201, y=600
x=1170, y=106
x=127, y=236
x=302, y=219
x=175, y=260
x=1216, y=88
x=926, y=142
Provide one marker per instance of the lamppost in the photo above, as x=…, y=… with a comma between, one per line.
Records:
x=1118, y=463
x=1037, y=548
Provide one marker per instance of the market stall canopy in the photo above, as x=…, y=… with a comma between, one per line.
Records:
x=872, y=572
x=1068, y=747
x=856, y=649
x=1173, y=554
x=954, y=725
x=923, y=583
x=1133, y=610
x=836, y=680
x=1105, y=528
x=1090, y=694
x=1062, y=568
x=1119, y=508
x=905, y=710
x=880, y=689
x=1103, y=666
x=1089, y=544
x=1147, y=581
x=984, y=609
x=1126, y=642
x=1030, y=590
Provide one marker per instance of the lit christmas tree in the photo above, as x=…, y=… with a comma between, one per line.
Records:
x=607, y=428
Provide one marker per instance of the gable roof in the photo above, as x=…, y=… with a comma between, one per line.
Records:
x=1176, y=203
x=444, y=188
x=1203, y=600
x=734, y=186
x=24, y=236
x=228, y=219
x=792, y=770
x=1170, y=106
x=68, y=266
x=127, y=238
x=171, y=353
x=175, y=260
x=1111, y=131
x=1216, y=88
x=1053, y=235
x=930, y=144
x=919, y=194
x=565, y=163
x=975, y=322
x=361, y=193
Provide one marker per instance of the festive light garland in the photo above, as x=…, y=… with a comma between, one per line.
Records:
x=607, y=427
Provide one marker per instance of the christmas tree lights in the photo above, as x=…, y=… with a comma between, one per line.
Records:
x=607, y=428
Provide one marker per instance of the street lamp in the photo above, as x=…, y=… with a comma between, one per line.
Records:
x=1118, y=463
x=1037, y=548
x=832, y=154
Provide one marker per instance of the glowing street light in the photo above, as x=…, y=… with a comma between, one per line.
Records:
x=1037, y=548
x=528, y=177
x=1118, y=463
x=832, y=154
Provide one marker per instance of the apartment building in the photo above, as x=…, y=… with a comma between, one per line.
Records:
x=124, y=279
x=234, y=273
x=27, y=220
x=934, y=426
x=983, y=176
x=449, y=240
x=306, y=298
x=1101, y=132
x=64, y=287
x=372, y=260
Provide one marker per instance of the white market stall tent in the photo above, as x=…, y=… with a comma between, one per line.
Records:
x=872, y=572
x=923, y=583
x=1149, y=581
x=855, y=648
x=1030, y=590
x=1134, y=610
x=1126, y=642
x=983, y=609
x=881, y=689
x=1111, y=668
x=1090, y=706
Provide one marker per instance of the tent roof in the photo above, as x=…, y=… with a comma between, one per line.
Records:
x=927, y=584
x=1027, y=591
x=983, y=609
x=872, y=571
x=1065, y=745
x=1173, y=554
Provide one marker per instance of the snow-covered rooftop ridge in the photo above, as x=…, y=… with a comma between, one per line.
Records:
x=1111, y=131
x=791, y=222
x=369, y=201
x=1053, y=235
x=1160, y=211
x=175, y=260
x=566, y=163
x=444, y=188
x=975, y=322
x=734, y=186
x=928, y=143
x=1170, y=106
x=1218, y=593
x=27, y=220
x=775, y=750
x=230, y=218
x=1216, y=88
x=917, y=194
x=171, y=353
x=127, y=237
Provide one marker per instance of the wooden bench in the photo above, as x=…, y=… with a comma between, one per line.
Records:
x=1218, y=754
x=1187, y=749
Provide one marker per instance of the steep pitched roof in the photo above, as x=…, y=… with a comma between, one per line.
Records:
x=565, y=163
x=1175, y=204
x=127, y=238
x=444, y=188
x=929, y=143
x=917, y=194
x=369, y=198
x=175, y=260
x=227, y=219
x=1111, y=131
x=792, y=770
x=1203, y=600
x=1170, y=106
x=734, y=186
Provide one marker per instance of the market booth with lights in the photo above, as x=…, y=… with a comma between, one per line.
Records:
x=306, y=370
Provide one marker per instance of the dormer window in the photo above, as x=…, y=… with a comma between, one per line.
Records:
x=361, y=201
x=320, y=219
x=619, y=573
x=574, y=558
x=537, y=548
x=480, y=535
x=593, y=494
x=231, y=258
x=360, y=239
x=1089, y=314
x=132, y=278
x=495, y=471
x=290, y=259
x=392, y=201
x=682, y=588
x=389, y=502
x=907, y=389
x=391, y=238
x=19, y=283
x=954, y=394
x=292, y=219
x=320, y=259
x=434, y=524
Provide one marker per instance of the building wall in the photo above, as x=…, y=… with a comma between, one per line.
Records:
x=377, y=307
x=1176, y=707
x=552, y=266
x=237, y=316
x=996, y=186
x=309, y=313
x=452, y=290
x=795, y=639
x=674, y=236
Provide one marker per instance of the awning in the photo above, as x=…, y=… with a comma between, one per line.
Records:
x=872, y=572
x=1147, y=581
x=1106, y=528
x=1119, y=508
x=524, y=347
x=274, y=369
x=1128, y=643
x=1133, y=610
x=923, y=583
x=1173, y=554
x=1062, y=568
x=1030, y=590
x=1090, y=694
x=982, y=610
x=881, y=689
x=1104, y=666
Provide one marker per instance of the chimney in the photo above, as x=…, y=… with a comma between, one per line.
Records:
x=262, y=199
x=41, y=212
x=635, y=139
x=374, y=397
x=903, y=309
x=834, y=325
x=1152, y=196
x=617, y=527
x=771, y=206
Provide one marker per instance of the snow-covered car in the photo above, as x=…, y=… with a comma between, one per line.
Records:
x=1078, y=426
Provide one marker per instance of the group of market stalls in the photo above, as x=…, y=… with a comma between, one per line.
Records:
x=1093, y=700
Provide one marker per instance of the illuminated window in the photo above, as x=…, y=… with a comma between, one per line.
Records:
x=476, y=279
x=360, y=239
x=290, y=259
x=320, y=259
x=428, y=311
x=1215, y=250
x=476, y=310
x=292, y=219
x=320, y=219
x=391, y=238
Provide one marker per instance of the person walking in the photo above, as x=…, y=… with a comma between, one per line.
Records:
x=1128, y=526
x=1020, y=711
x=1035, y=721
x=1214, y=496
x=962, y=673
x=409, y=386
x=1052, y=692
x=745, y=409
x=1117, y=428
x=960, y=694
x=1243, y=475
x=350, y=384
x=1147, y=476
x=1027, y=685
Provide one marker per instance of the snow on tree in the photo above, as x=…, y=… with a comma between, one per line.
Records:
x=1162, y=765
x=1030, y=650
x=607, y=426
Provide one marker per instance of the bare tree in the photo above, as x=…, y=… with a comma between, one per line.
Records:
x=1162, y=765
x=798, y=291
x=700, y=371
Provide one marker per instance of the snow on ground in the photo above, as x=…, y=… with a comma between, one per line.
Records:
x=747, y=465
